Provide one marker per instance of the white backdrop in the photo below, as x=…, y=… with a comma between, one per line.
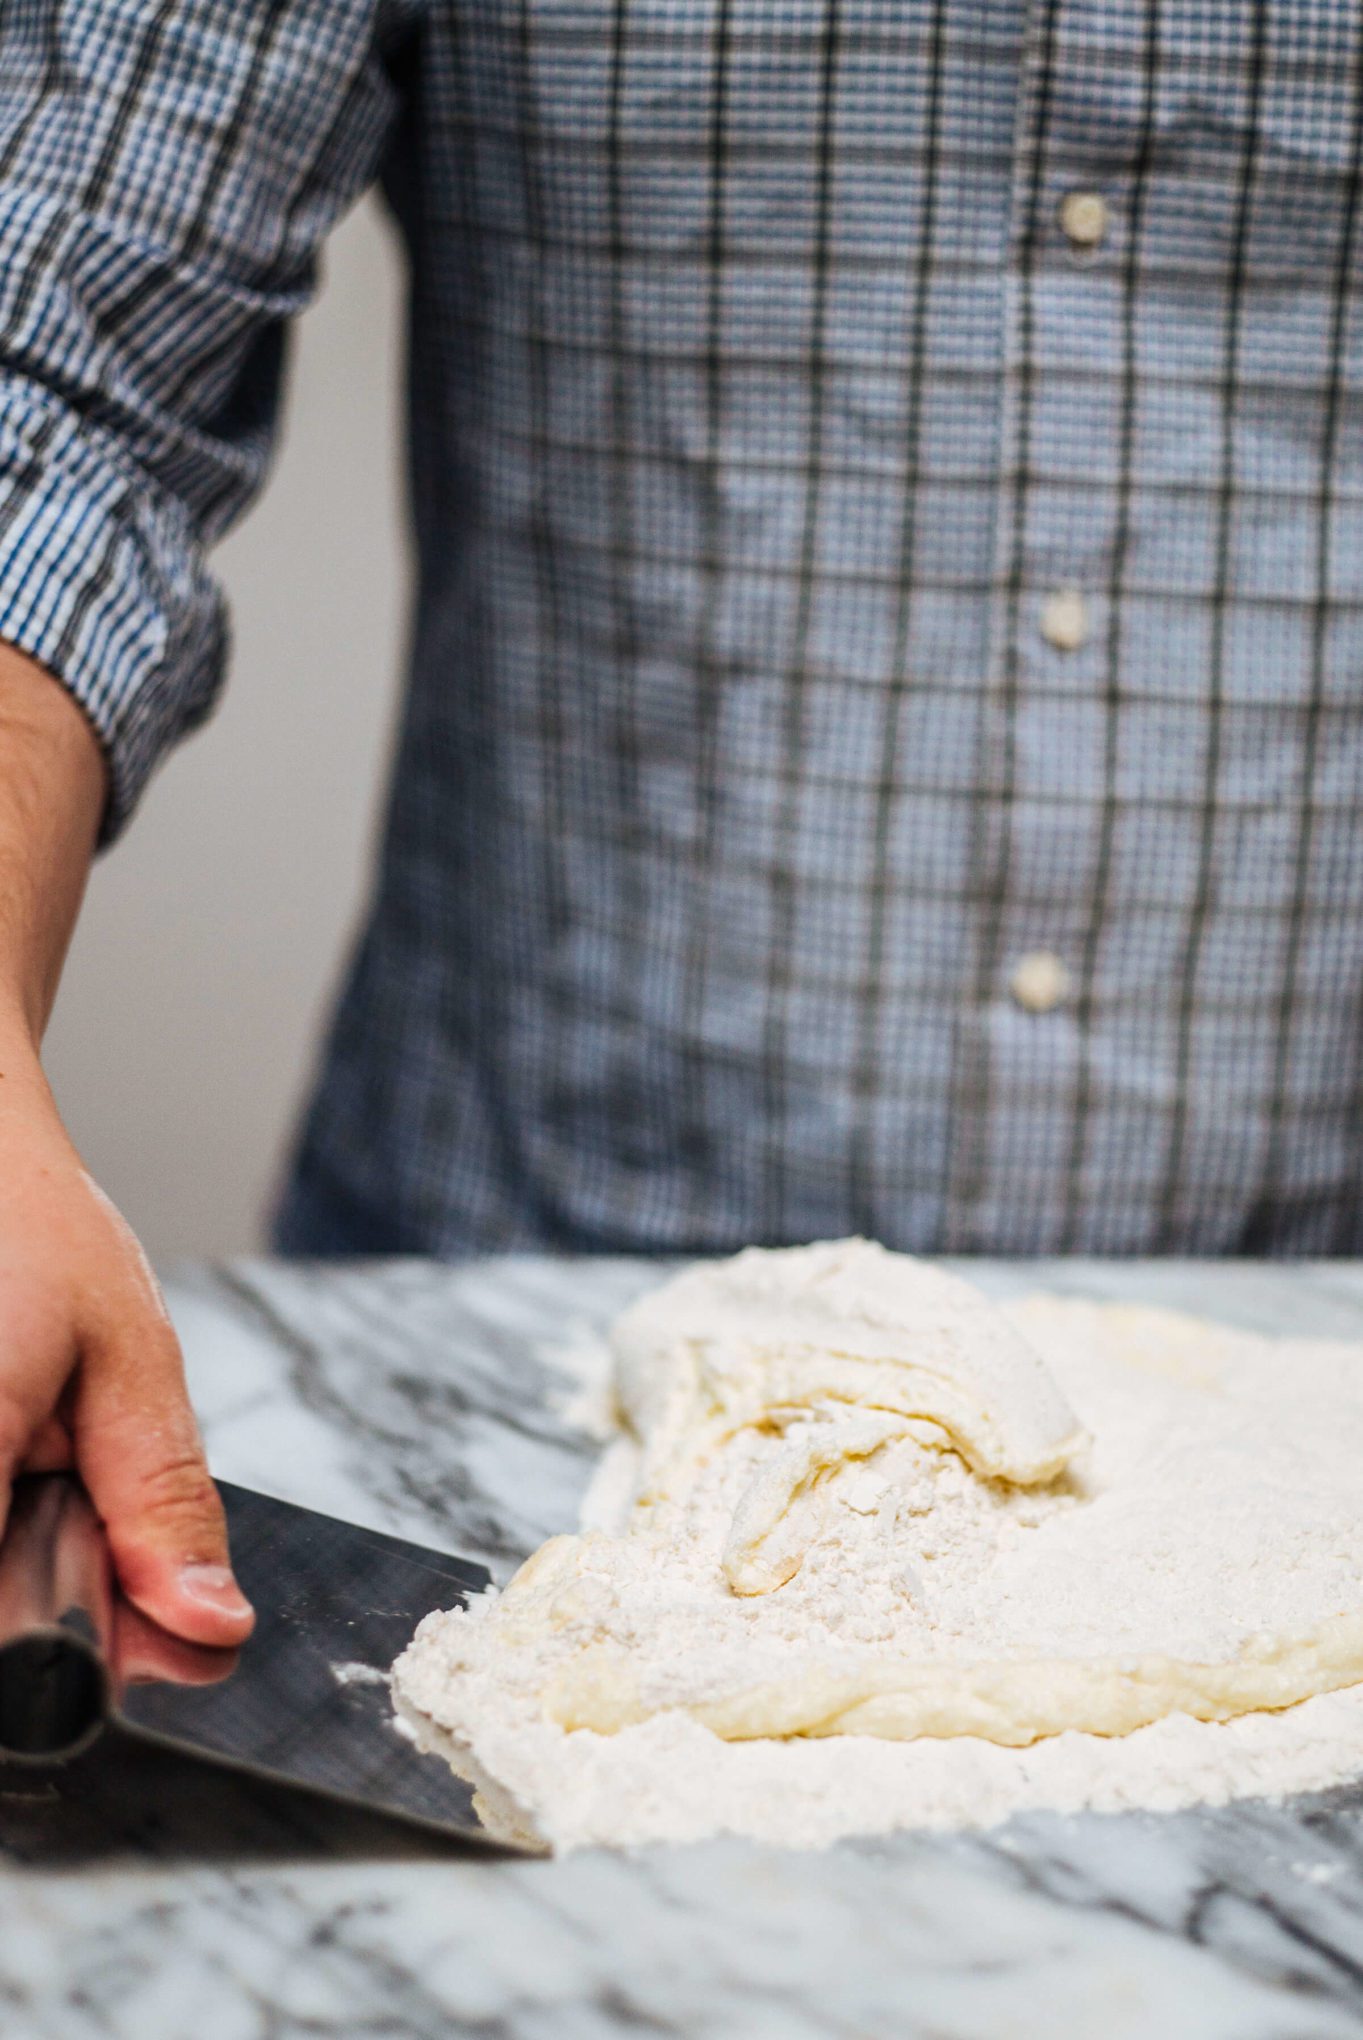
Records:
x=213, y=934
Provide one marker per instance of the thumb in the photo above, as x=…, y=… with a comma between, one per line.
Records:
x=138, y=1450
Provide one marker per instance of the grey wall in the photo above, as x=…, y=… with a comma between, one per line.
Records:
x=213, y=933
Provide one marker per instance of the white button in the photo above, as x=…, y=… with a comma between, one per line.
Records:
x=1039, y=981
x=1084, y=217
x=1065, y=620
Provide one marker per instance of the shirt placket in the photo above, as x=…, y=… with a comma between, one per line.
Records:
x=1024, y=1103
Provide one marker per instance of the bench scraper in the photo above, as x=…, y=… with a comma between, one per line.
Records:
x=305, y=1700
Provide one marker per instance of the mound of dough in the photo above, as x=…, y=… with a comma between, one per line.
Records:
x=836, y=1350
x=853, y=1499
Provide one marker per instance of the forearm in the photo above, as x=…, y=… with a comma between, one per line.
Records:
x=52, y=793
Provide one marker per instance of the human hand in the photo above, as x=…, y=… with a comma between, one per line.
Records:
x=91, y=1375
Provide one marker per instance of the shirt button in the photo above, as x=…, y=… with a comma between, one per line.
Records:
x=1065, y=620
x=1084, y=218
x=1039, y=981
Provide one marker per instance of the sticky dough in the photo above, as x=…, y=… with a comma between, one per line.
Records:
x=1010, y=1703
x=840, y=1325
x=842, y=1347
x=814, y=1432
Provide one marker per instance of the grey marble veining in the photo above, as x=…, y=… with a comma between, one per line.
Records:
x=140, y=1896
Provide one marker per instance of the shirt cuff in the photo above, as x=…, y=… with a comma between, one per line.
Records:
x=103, y=582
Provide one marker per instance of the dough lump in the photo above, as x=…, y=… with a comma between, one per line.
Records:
x=860, y=1503
x=874, y=1346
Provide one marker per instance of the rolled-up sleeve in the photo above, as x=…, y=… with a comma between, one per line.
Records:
x=168, y=169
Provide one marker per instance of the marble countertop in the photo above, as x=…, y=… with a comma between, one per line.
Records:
x=142, y=1896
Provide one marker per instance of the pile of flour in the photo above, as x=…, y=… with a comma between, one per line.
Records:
x=852, y=1503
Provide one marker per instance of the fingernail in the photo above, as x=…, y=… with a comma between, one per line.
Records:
x=214, y=1587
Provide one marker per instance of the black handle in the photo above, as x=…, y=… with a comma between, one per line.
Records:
x=53, y=1696
x=56, y=1603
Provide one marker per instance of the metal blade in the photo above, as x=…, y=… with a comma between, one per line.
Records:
x=305, y=1701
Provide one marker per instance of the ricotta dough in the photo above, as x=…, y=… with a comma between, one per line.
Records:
x=870, y=1552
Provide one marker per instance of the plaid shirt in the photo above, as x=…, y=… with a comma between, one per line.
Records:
x=885, y=738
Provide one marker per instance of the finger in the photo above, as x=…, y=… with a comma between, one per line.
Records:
x=138, y=1449
x=14, y=1433
x=36, y=1355
x=49, y=1450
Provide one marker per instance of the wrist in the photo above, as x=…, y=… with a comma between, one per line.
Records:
x=21, y=1023
x=52, y=789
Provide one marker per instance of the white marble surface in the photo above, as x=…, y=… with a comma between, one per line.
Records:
x=140, y=1897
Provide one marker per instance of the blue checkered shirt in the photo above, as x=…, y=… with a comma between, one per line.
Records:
x=884, y=748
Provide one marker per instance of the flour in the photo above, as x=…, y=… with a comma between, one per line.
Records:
x=863, y=1492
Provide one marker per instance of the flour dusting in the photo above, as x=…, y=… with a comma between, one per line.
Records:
x=865, y=1548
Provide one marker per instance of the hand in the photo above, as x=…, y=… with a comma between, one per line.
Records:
x=91, y=1375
